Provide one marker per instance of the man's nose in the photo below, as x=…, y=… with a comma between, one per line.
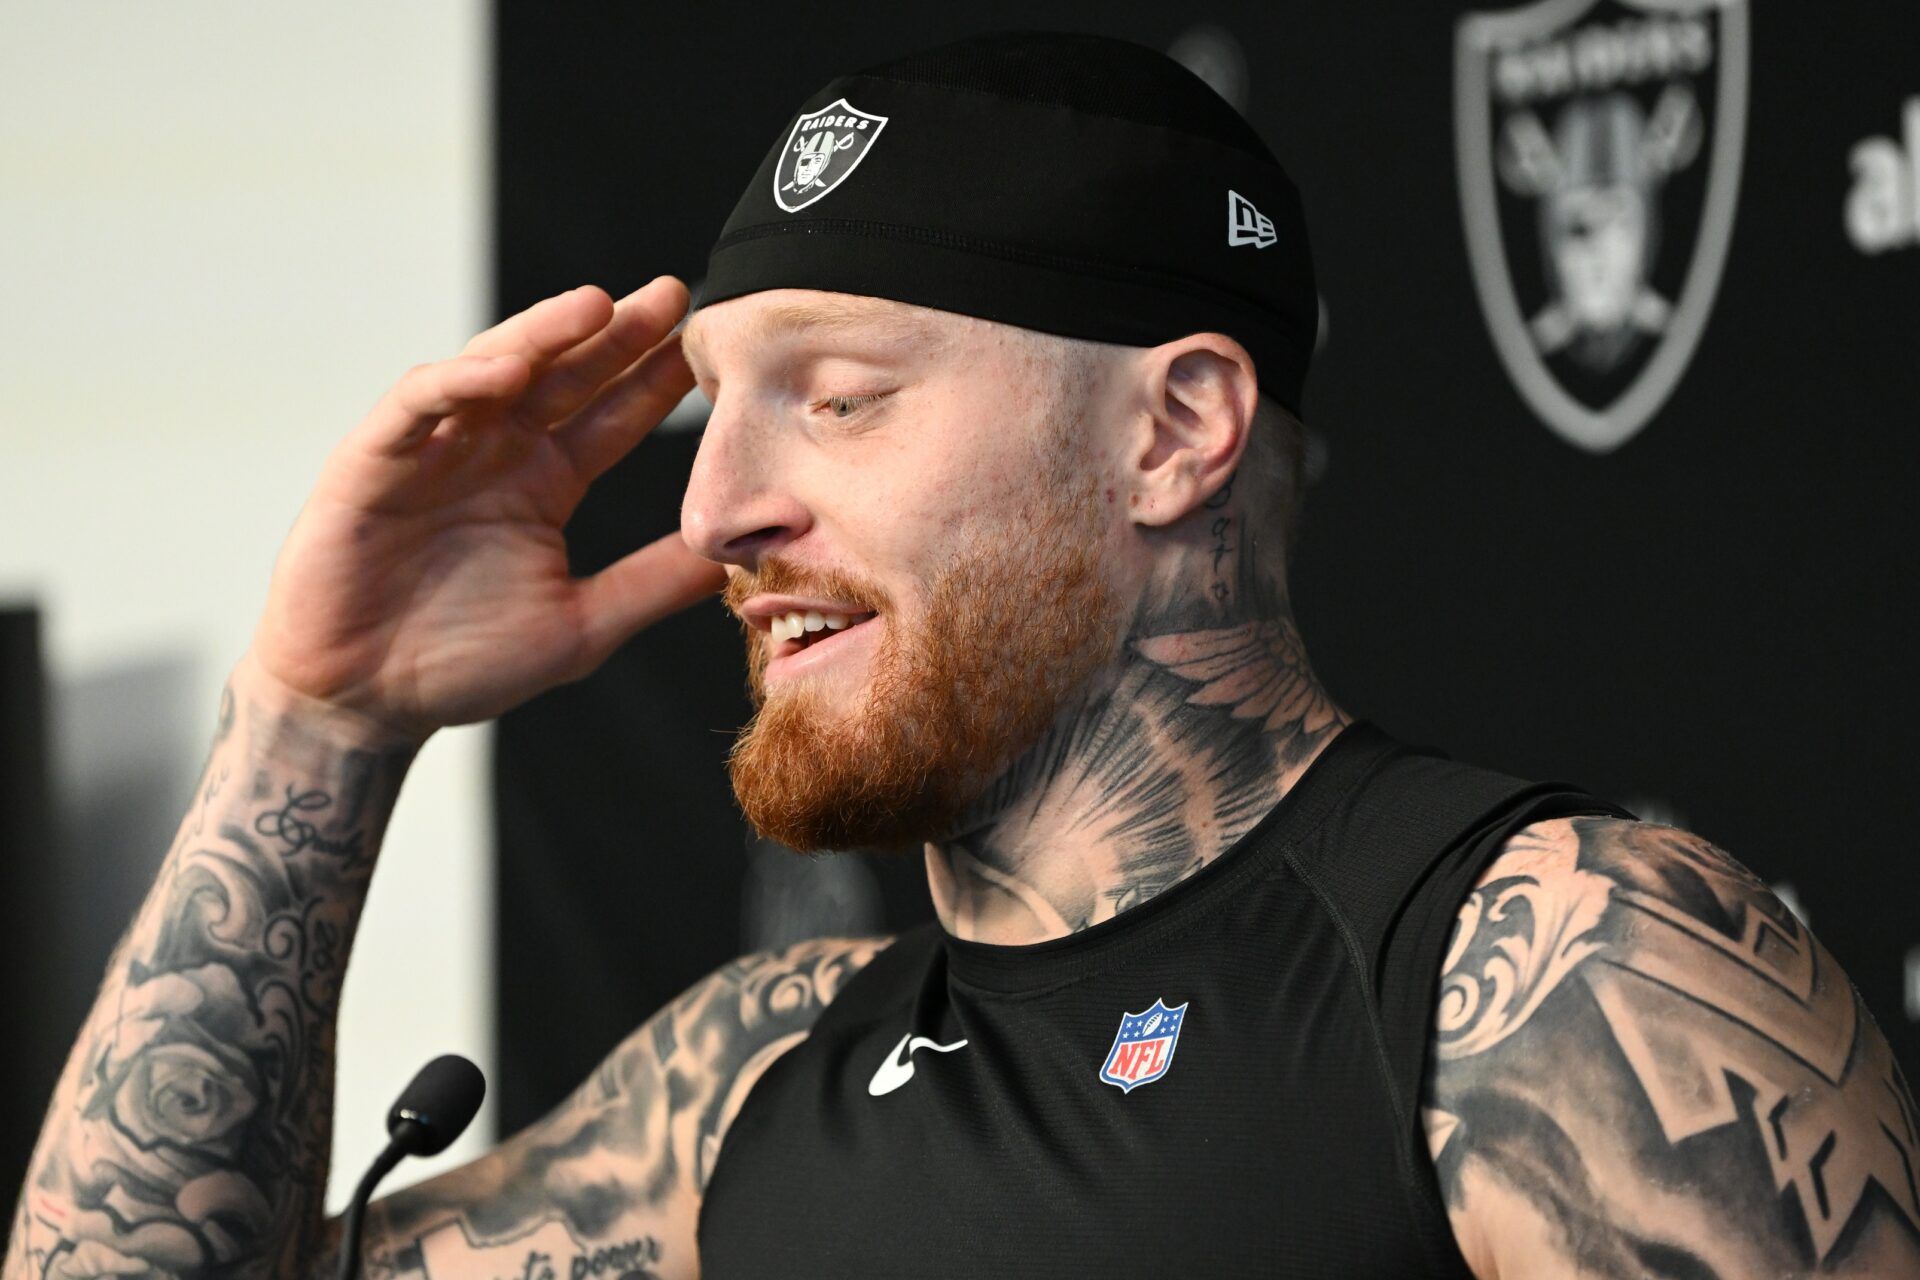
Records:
x=736, y=510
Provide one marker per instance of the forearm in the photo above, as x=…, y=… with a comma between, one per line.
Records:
x=191, y=1127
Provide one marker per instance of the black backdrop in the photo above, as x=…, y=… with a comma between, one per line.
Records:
x=1706, y=622
x=40, y=1019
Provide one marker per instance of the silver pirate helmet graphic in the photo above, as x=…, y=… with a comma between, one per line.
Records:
x=1599, y=153
x=811, y=155
x=823, y=149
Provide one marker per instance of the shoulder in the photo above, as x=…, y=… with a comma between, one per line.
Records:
x=776, y=992
x=745, y=1006
x=617, y=1170
x=719, y=1037
x=1634, y=1038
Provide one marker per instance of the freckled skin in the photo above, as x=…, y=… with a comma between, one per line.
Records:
x=892, y=493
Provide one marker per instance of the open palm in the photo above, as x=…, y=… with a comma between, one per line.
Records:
x=425, y=583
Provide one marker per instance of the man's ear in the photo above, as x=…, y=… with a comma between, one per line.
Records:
x=1198, y=394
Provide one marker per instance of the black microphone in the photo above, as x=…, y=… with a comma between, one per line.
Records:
x=434, y=1109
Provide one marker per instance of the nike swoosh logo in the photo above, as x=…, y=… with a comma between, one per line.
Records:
x=898, y=1067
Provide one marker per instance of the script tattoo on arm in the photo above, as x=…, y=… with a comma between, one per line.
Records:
x=1644, y=1065
x=189, y=1134
x=609, y=1183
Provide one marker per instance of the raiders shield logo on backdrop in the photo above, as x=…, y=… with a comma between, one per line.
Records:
x=1599, y=148
x=825, y=147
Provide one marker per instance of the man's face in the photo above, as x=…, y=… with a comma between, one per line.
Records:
x=932, y=481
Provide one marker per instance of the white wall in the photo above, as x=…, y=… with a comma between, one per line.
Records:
x=224, y=229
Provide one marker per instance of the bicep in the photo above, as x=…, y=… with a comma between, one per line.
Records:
x=1643, y=1064
x=609, y=1182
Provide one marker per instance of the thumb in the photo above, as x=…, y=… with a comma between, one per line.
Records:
x=639, y=589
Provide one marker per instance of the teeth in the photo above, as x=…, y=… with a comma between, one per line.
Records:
x=791, y=626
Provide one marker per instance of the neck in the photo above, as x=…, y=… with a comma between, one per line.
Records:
x=1209, y=715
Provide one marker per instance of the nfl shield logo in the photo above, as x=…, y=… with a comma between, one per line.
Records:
x=824, y=147
x=1143, y=1047
x=1599, y=145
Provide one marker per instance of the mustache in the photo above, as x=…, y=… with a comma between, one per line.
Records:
x=777, y=576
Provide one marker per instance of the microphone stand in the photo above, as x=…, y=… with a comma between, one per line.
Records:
x=431, y=1112
x=352, y=1221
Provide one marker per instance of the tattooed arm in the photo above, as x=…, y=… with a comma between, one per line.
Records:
x=425, y=583
x=610, y=1182
x=1645, y=1066
x=189, y=1133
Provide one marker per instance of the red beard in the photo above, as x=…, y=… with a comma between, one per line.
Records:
x=1008, y=634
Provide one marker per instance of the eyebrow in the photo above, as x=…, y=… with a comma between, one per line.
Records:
x=830, y=320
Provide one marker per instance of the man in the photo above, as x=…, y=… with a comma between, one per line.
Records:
x=1001, y=470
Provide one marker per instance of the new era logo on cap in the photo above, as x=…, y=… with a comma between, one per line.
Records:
x=1246, y=224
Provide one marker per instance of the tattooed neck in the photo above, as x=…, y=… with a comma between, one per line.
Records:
x=1211, y=714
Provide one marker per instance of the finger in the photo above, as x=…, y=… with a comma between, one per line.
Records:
x=641, y=588
x=548, y=327
x=640, y=320
x=625, y=410
x=407, y=414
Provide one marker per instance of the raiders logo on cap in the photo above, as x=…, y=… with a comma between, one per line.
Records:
x=825, y=147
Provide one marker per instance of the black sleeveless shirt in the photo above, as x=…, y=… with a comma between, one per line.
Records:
x=1221, y=1082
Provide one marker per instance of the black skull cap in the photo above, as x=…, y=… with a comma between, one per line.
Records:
x=1069, y=183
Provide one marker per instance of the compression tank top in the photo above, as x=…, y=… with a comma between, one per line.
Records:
x=1221, y=1082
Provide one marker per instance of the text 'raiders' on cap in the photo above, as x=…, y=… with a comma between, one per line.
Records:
x=1069, y=183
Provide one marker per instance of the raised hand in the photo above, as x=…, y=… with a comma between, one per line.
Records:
x=425, y=582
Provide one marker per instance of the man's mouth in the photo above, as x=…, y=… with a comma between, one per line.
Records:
x=789, y=633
